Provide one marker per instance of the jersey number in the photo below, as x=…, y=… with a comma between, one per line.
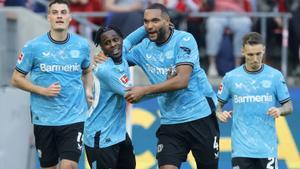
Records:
x=272, y=164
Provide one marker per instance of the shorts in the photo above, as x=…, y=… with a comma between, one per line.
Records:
x=200, y=136
x=118, y=156
x=254, y=163
x=58, y=142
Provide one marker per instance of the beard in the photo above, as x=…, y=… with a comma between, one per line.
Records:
x=161, y=35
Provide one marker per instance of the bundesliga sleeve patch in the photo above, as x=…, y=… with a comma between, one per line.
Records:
x=220, y=89
x=20, y=57
x=124, y=79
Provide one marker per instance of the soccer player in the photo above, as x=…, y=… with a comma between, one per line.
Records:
x=60, y=75
x=187, y=118
x=106, y=141
x=255, y=89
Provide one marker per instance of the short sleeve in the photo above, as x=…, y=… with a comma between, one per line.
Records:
x=133, y=56
x=25, y=60
x=282, y=92
x=187, y=51
x=224, y=90
x=86, y=57
x=115, y=81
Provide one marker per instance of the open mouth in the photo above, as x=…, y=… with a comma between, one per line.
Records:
x=116, y=51
x=59, y=22
x=152, y=33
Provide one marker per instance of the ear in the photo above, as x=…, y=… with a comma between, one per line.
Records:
x=242, y=51
x=264, y=49
x=167, y=18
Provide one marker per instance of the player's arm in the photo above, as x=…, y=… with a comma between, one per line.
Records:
x=129, y=43
x=20, y=81
x=88, y=81
x=282, y=94
x=134, y=38
x=285, y=109
x=224, y=95
x=177, y=82
x=223, y=116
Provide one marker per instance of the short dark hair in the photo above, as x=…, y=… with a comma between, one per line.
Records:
x=161, y=7
x=103, y=29
x=67, y=2
x=253, y=38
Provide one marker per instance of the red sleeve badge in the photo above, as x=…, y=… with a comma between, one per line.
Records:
x=20, y=58
x=220, y=89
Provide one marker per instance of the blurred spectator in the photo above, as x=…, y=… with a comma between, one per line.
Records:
x=179, y=10
x=274, y=30
x=293, y=6
x=15, y=2
x=216, y=25
x=183, y=5
x=2, y=3
x=85, y=6
x=37, y=7
x=125, y=14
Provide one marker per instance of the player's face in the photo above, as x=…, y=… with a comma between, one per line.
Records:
x=111, y=44
x=59, y=17
x=253, y=56
x=156, y=25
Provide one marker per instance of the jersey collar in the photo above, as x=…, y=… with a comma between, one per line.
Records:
x=254, y=72
x=58, y=42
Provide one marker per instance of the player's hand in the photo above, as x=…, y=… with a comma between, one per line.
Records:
x=100, y=58
x=274, y=112
x=52, y=90
x=89, y=97
x=224, y=116
x=134, y=94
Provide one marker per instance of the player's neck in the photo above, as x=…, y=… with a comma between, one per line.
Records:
x=168, y=35
x=117, y=61
x=59, y=36
x=250, y=69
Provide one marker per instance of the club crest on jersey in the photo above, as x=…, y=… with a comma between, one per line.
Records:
x=75, y=53
x=266, y=83
x=220, y=89
x=169, y=54
x=124, y=79
x=20, y=57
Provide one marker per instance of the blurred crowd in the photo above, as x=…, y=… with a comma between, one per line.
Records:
x=218, y=37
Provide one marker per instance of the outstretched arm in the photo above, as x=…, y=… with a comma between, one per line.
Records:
x=134, y=38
